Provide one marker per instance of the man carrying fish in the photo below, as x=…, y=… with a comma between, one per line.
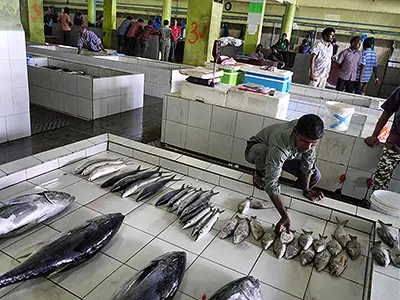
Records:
x=289, y=147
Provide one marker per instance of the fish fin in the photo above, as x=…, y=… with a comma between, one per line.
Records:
x=57, y=271
x=353, y=237
x=28, y=251
x=340, y=223
x=322, y=237
x=376, y=243
x=253, y=217
x=138, y=168
x=384, y=224
x=46, y=198
x=293, y=231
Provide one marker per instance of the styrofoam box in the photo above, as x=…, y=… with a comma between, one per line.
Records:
x=211, y=95
x=273, y=106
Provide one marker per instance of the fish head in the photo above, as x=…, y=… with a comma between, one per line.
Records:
x=109, y=222
x=58, y=198
x=176, y=258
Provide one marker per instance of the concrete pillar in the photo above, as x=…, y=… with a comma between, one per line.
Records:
x=254, y=25
x=288, y=20
x=166, y=11
x=32, y=19
x=203, y=28
x=110, y=21
x=92, y=11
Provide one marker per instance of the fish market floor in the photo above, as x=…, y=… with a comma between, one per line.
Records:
x=148, y=232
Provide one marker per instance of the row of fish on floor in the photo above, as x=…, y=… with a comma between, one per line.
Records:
x=193, y=206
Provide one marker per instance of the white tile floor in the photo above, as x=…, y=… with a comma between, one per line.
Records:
x=148, y=232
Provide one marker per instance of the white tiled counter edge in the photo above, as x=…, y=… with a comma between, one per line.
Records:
x=32, y=166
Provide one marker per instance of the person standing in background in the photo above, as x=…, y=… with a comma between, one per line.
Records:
x=390, y=157
x=176, y=32
x=66, y=27
x=145, y=36
x=369, y=65
x=321, y=59
x=335, y=47
x=122, y=30
x=78, y=21
x=133, y=31
x=349, y=61
x=283, y=43
x=99, y=23
x=165, y=40
x=305, y=47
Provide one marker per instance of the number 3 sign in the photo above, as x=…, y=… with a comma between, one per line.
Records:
x=197, y=35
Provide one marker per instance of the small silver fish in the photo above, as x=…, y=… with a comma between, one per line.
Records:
x=242, y=231
x=306, y=239
x=395, y=255
x=209, y=224
x=202, y=222
x=307, y=256
x=338, y=263
x=287, y=237
x=380, y=254
x=229, y=228
x=256, y=228
x=259, y=204
x=193, y=221
x=320, y=244
x=340, y=233
x=293, y=249
x=387, y=233
x=279, y=249
x=353, y=247
x=333, y=246
x=105, y=170
x=244, y=206
x=89, y=169
x=268, y=238
x=322, y=259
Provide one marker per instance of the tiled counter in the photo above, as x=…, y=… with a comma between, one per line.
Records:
x=141, y=238
x=221, y=132
x=102, y=92
x=160, y=77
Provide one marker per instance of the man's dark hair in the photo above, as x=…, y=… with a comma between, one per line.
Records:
x=327, y=31
x=166, y=22
x=311, y=127
x=150, y=22
x=66, y=10
x=304, y=42
x=355, y=39
x=140, y=21
x=129, y=17
x=368, y=42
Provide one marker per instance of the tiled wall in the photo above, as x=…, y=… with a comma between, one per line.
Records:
x=160, y=77
x=14, y=95
x=110, y=92
x=222, y=133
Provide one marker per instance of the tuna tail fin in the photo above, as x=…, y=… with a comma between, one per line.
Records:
x=353, y=237
x=307, y=232
x=376, y=243
x=321, y=237
x=340, y=223
x=384, y=224
x=293, y=231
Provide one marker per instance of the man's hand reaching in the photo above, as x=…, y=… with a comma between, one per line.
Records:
x=314, y=195
x=283, y=225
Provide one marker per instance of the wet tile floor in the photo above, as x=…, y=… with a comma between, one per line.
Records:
x=52, y=129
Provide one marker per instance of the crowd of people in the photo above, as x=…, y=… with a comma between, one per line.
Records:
x=133, y=34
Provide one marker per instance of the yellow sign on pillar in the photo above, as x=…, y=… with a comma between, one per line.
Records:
x=109, y=21
x=254, y=26
x=202, y=29
x=32, y=20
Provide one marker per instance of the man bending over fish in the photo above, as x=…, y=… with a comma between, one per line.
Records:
x=289, y=147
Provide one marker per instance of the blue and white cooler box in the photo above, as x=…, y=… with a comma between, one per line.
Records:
x=281, y=80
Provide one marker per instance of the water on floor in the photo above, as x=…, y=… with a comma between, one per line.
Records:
x=149, y=231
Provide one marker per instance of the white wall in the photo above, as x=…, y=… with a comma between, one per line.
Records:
x=14, y=94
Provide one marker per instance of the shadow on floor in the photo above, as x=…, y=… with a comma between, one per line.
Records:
x=52, y=129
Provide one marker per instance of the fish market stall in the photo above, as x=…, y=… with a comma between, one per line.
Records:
x=82, y=90
x=143, y=232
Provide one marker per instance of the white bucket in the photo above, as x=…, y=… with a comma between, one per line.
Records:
x=338, y=115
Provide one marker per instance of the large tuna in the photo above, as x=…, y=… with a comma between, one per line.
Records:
x=160, y=280
x=245, y=288
x=66, y=250
x=24, y=212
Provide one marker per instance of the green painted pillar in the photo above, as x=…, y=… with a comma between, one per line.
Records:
x=166, y=11
x=202, y=29
x=110, y=21
x=254, y=26
x=92, y=11
x=32, y=19
x=288, y=20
